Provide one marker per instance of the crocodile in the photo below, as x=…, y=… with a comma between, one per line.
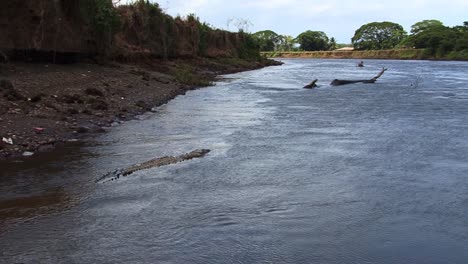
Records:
x=157, y=162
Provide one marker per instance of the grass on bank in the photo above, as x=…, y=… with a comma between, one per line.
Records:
x=186, y=74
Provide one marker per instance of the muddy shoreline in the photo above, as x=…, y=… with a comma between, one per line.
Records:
x=46, y=105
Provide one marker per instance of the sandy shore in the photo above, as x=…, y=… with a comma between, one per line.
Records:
x=43, y=105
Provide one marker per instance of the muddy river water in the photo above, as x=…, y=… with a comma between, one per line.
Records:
x=362, y=173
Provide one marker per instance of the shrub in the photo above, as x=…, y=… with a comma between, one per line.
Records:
x=249, y=49
x=150, y=26
x=203, y=30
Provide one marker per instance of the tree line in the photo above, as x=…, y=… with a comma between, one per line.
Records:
x=309, y=40
x=437, y=39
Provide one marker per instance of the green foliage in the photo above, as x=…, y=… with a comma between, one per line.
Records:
x=100, y=15
x=151, y=26
x=271, y=41
x=192, y=18
x=250, y=49
x=204, y=30
x=462, y=42
x=268, y=40
x=332, y=45
x=150, y=15
x=425, y=25
x=438, y=40
x=186, y=74
x=458, y=55
x=106, y=18
x=378, y=36
x=313, y=40
x=288, y=44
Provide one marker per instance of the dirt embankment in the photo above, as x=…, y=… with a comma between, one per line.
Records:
x=42, y=25
x=66, y=31
x=42, y=105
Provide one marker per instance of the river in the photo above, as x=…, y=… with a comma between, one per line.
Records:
x=362, y=173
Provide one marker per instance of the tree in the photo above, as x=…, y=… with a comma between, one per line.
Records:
x=436, y=38
x=100, y=15
x=313, y=40
x=268, y=40
x=378, y=35
x=287, y=43
x=462, y=42
x=462, y=29
x=332, y=44
x=425, y=25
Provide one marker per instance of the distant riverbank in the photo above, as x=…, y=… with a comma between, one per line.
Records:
x=402, y=54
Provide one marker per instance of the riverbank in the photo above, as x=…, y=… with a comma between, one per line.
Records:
x=402, y=54
x=43, y=105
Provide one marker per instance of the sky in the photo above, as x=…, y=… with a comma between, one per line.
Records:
x=338, y=19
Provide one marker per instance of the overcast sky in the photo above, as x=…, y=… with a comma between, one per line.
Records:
x=338, y=19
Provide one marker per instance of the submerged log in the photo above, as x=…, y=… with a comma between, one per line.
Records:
x=311, y=85
x=337, y=82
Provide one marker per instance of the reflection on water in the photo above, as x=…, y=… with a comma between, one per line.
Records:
x=30, y=206
x=364, y=173
x=42, y=185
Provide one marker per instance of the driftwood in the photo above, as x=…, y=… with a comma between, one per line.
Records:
x=311, y=85
x=337, y=82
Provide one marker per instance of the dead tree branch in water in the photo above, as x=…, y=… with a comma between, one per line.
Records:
x=311, y=85
x=337, y=82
